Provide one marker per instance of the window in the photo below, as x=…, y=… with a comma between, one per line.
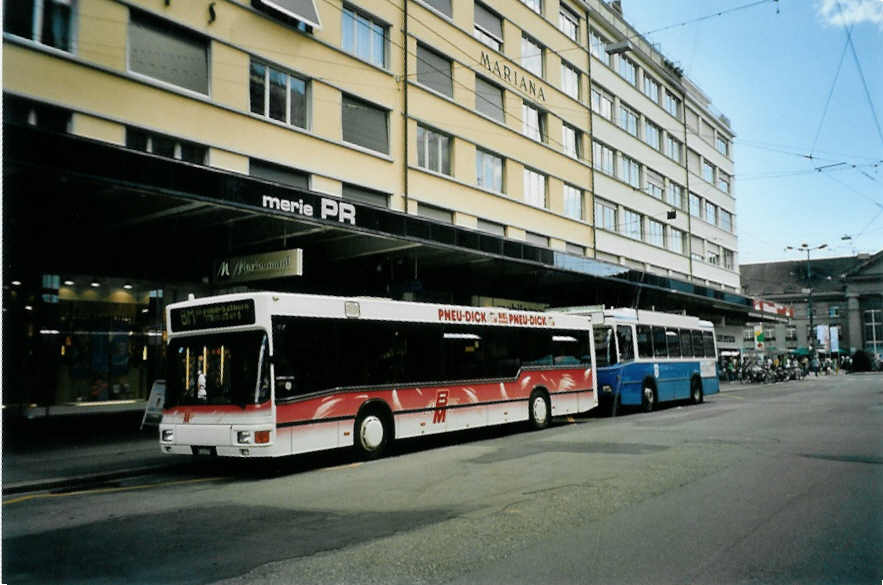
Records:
x=645, y=341
x=693, y=161
x=628, y=70
x=652, y=134
x=725, y=218
x=278, y=95
x=626, y=343
x=605, y=215
x=162, y=50
x=693, y=122
x=655, y=184
x=675, y=195
x=729, y=260
x=655, y=233
x=602, y=103
x=362, y=36
x=568, y=22
x=629, y=171
x=574, y=249
x=673, y=148
x=489, y=170
x=443, y=6
x=532, y=55
x=534, y=188
x=602, y=158
x=697, y=248
x=434, y=71
x=488, y=27
x=489, y=99
x=573, y=202
x=707, y=171
x=491, y=227
x=365, y=195
x=536, y=239
x=24, y=112
x=278, y=173
x=571, y=139
x=660, y=347
x=433, y=150
x=695, y=205
x=569, y=80
x=534, y=122
x=672, y=104
x=710, y=212
x=674, y=342
x=436, y=213
x=597, y=45
x=712, y=253
x=365, y=124
x=651, y=88
x=605, y=350
x=535, y=5
x=686, y=343
x=873, y=319
x=628, y=119
x=631, y=223
x=706, y=131
x=790, y=334
x=676, y=240
x=48, y=22
x=723, y=181
x=167, y=146
x=722, y=145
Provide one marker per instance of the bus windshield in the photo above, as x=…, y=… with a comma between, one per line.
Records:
x=228, y=368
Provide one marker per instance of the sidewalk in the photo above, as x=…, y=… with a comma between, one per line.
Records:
x=66, y=451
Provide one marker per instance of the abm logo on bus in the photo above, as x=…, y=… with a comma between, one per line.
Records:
x=441, y=407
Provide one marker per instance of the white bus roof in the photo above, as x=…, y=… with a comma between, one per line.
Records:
x=639, y=316
x=267, y=304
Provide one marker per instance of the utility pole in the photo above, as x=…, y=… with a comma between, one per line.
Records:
x=808, y=249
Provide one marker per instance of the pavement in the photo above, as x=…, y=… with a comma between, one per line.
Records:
x=79, y=450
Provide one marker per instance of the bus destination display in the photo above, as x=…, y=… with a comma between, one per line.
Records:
x=213, y=316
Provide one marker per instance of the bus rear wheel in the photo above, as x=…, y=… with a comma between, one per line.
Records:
x=696, y=395
x=648, y=398
x=540, y=411
x=371, y=435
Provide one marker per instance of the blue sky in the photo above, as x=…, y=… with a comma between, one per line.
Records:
x=770, y=68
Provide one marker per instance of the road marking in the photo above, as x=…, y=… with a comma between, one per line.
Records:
x=108, y=490
x=346, y=466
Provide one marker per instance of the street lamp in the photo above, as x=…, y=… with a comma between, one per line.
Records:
x=808, y=249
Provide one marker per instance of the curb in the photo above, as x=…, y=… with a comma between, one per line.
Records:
x=83, y=480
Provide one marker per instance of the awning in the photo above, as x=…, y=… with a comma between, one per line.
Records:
x=303, y=10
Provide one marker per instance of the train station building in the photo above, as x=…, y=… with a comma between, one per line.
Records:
x=530, y=154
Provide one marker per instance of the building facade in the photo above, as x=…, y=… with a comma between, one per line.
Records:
x=539, y=151
x=846, y=295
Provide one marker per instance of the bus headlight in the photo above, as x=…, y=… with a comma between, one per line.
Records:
x=243, y=436
x=168, y=435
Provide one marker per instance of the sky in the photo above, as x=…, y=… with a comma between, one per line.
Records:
x=806, y=110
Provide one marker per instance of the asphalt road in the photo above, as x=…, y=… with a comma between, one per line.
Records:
x=770, y=484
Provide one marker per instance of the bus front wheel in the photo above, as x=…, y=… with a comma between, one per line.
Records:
x=371, y=434
x=540, y=410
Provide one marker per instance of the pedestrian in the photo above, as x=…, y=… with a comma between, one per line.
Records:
x=814, y=366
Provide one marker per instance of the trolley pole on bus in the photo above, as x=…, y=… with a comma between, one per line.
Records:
x=808, y=249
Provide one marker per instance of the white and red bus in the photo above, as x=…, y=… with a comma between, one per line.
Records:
x=273, y=374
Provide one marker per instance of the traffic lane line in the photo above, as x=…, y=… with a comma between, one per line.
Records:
x=109, y=490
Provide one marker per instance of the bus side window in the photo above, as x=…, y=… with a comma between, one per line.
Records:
x=697, y=344
x=626, y=343
x=605, y=351
x=674, y=343
x=686, y=343
x=659, y=347
x=645, y=342
x=708, y=343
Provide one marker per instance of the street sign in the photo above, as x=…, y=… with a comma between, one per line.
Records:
x=153, y=411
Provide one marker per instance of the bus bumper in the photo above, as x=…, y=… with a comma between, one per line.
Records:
x=221, y=440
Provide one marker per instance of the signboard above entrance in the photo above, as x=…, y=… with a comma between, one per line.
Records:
x=259, y=266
